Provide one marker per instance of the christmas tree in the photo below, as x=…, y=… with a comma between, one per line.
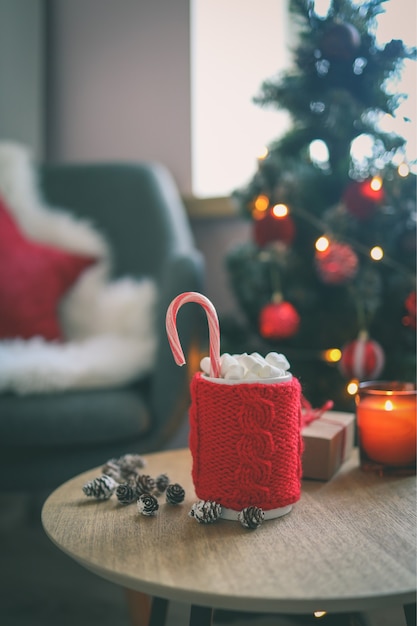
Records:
x=328, y=277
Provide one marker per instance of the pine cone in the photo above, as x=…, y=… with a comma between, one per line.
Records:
x=126, y=493
x=147, y=504
x=112, y=468
x=251, y=517
x=130, y=463
x=175, y=494
x=206, y=511
x=100, y=488
x=144, y=484
x=124, y=468
x=162, y=482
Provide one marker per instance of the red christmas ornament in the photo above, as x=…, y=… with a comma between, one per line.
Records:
x=410, y=304
x=268, y=228
x=363, y=198
x=362, y=358
x=340, y=42
x=337, y=264
x=278, y=320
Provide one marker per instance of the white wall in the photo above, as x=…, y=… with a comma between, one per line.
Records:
x=22, y=73
x=120, y=82
x=235, y=46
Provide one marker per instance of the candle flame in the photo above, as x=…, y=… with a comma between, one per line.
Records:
x=388, y=405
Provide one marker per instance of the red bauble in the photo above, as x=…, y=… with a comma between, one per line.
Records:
x=362, y=359
x=411, y=307
x=361, y=200
x=340, y=42
x=278, y=320
x=269, y=228
x=337, y=264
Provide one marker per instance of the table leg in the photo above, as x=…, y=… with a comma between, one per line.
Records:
x=200, y=616
x=410, y=614
x=158, y=612
x=139, y=605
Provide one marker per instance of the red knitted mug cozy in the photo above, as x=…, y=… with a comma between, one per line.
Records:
x=246, y=443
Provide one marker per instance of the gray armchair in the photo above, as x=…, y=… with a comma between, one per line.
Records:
x=45, y=439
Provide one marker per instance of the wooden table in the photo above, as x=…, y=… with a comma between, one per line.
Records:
x=348, y=545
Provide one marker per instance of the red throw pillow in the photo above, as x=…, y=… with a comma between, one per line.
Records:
x=33, y=279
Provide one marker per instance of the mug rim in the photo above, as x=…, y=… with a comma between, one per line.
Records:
x=241, y=381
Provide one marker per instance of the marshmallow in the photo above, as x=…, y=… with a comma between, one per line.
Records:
x=249, y=366
x=277, y=360
x=227, y=362
x=252, y=362
x=235, y=372
x=205, y=364
x=249, y=375
x=266, y=371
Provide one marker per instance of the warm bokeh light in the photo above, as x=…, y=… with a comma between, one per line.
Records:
x=319, y=152
x=280, y=210
x=258, y=215
x=319, y=613
x=261, y=203
x=322, y=244
x=362, y=148
x=403, y=170
x=332, y=355
x=263, y=153
x=372, y=189
x=352, y=387
x=376, y=253
x=376, y=183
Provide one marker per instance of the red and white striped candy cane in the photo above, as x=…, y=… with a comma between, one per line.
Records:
x=213, y=323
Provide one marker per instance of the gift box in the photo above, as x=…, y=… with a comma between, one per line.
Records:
x=328, y=442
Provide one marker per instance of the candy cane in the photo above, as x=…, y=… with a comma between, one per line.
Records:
x=213, y=323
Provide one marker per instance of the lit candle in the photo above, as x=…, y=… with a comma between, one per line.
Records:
x=386, y=418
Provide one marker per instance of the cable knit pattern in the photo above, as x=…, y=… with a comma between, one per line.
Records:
x=246, y=443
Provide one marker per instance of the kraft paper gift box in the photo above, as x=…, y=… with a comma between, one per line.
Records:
x=328, y=442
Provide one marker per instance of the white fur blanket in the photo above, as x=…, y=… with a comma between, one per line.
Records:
x=109, y=325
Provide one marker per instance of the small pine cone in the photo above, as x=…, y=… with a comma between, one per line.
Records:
x=130, y=463
x=129, y=475
x=124, y=468
x=100, y=488
x=112, y=468
x=206, y=511
x=175, y=494
x=251, y=517
x=134, y=460
x=126, y=493
x=147, y=504
x=162, y=482
x=144, y=484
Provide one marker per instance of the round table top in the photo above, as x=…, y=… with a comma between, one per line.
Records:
x=348, y=544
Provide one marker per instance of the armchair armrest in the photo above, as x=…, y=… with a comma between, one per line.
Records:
x=182, y=272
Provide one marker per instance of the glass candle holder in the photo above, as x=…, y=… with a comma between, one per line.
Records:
x=386, y=419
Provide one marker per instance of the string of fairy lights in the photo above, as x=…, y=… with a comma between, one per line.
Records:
x=372, y=189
